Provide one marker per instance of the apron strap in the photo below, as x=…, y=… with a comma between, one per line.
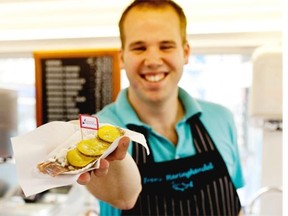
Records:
x=201, y=138
x=138, y=151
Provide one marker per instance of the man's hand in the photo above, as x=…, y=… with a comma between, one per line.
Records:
x=118, y=154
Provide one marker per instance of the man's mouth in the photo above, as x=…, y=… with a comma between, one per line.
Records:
x=154, y=77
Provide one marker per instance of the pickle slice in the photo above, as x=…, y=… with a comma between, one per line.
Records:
x=92, y=147
x=77, y=159
x=109, y=133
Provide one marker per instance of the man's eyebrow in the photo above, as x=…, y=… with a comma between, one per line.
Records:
x=136, y=43
x=168, y=42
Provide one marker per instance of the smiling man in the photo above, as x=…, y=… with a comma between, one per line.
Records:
x=194, y=141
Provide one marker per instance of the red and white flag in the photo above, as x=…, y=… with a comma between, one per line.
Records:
x=89, y=122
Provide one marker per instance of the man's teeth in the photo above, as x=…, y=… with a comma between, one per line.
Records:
x=155, y=77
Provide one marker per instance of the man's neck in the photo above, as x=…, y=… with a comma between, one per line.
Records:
x=162, y=117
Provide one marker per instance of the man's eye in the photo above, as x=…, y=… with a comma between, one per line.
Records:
x=166, y=47
x=138, y=49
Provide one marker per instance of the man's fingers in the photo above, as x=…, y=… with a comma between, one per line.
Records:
x=84, y=178
x=121, y=150
x=103, y=168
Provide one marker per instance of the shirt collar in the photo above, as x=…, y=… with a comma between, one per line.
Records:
x=190, y=104
x=128, y=115
x=125, y=110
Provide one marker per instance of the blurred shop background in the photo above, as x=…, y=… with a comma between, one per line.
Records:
x=236, y=61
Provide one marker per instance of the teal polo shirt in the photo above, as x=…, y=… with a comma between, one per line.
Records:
x=217, y=119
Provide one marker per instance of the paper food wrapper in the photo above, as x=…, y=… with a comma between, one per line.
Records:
x=37, y=146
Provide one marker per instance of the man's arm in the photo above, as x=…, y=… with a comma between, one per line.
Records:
x=117, y=181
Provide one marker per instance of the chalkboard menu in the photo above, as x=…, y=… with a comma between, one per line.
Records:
x=72, y=82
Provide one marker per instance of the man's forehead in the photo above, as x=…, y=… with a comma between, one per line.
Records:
x=149, y=15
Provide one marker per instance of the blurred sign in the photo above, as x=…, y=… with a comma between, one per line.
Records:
x=69, y=83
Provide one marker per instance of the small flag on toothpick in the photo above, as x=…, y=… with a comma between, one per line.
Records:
x=89, y=122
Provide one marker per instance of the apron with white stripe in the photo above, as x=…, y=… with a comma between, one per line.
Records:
x=195, y=185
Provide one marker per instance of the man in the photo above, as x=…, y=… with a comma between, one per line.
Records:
x=194, y=166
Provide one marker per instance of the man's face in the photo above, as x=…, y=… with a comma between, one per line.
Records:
x=154, y=54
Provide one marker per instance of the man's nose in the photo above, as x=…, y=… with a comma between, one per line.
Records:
x=153, y=59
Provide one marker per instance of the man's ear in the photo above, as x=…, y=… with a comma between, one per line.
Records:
x=187, y=52
x=121, y=59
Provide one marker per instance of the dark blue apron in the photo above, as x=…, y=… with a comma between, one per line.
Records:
x=195, y=185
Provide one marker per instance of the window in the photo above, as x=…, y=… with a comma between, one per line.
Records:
x=19, y=74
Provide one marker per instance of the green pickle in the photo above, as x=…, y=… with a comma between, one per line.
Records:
x=92, y=147
x=77, y=159
x=109, y=133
